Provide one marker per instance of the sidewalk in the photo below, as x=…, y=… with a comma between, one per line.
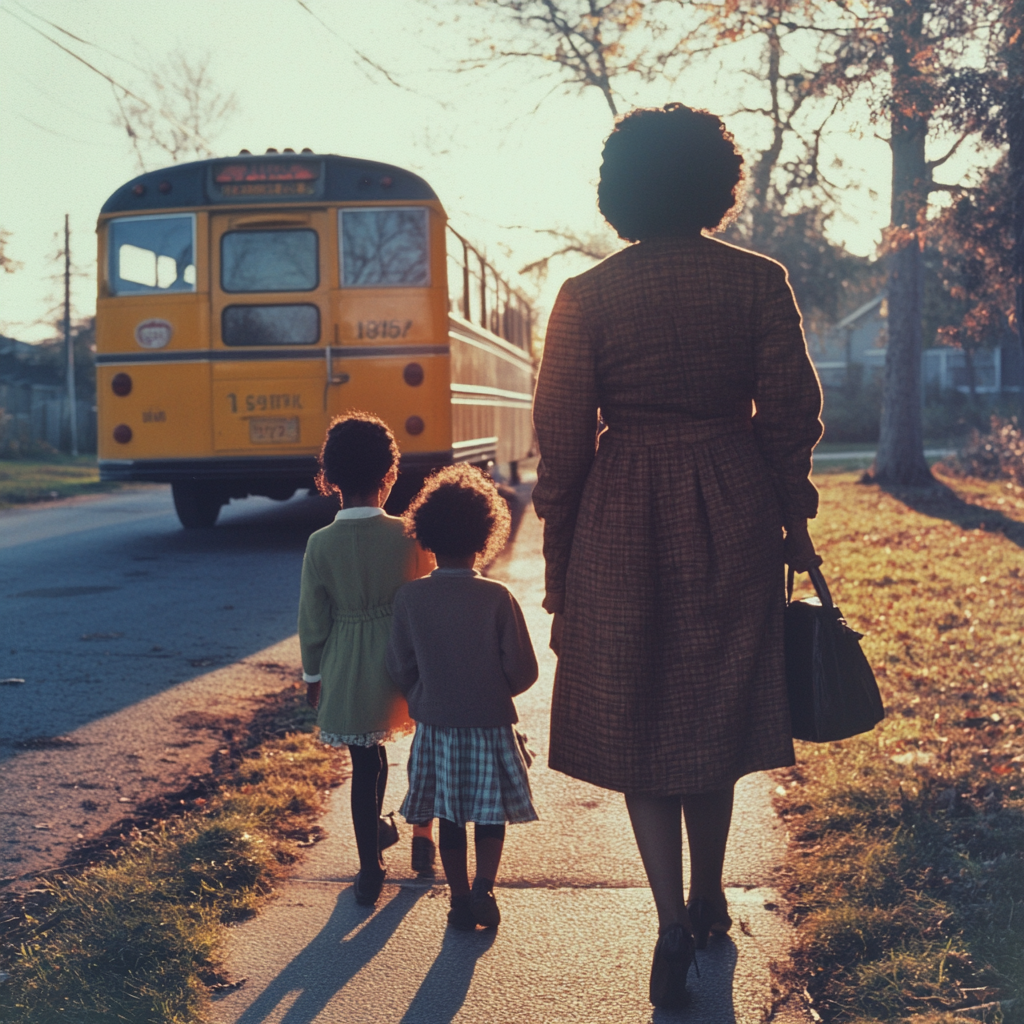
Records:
x=578, y=926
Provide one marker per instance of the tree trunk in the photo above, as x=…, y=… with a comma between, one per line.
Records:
x=900, y=458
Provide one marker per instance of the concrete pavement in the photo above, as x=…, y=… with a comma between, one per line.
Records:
x=578, y=924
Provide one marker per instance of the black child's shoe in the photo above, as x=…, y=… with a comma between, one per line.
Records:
x=423, y=852
x=368, y=887
x=483, y=904
x=461, y=914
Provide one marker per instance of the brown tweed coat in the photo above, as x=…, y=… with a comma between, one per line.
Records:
x=665, y=539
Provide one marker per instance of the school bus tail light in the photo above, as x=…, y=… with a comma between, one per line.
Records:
x=122, y=433
x=414, y=425
x=413, y=375
x=121, y=385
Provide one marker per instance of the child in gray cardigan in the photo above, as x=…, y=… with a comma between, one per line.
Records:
x=460, y=651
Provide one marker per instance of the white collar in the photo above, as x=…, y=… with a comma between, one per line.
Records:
x=359, y=512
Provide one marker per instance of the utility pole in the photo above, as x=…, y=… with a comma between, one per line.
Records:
x=68, y=345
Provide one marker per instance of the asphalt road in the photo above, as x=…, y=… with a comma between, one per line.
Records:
x=138, y=642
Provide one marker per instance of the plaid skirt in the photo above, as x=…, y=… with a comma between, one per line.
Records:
x=476, y=775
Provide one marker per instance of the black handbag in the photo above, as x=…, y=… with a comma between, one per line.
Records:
x=832, y=690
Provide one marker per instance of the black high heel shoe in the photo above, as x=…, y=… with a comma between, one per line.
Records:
x=672, y=958
x=706, y=918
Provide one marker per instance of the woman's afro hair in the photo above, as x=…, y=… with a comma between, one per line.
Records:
x=668, y=171
x=459, y=513
x=357, y=453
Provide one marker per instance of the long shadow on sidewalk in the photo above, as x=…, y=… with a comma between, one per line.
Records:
x=332, y=959
x=444, y=989
x=711, y=994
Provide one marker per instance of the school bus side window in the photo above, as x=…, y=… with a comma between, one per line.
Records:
x=269, y=261
x=386, y=247
x=152, y=254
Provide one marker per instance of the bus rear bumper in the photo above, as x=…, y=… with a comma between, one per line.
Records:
x=298, y=471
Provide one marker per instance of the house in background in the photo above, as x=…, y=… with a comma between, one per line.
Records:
x=854, y=349
x=34, y=398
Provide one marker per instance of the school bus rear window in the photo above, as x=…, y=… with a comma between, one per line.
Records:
x=292, y=324
x=269, y=261
x=384, y=248
x=152, y=254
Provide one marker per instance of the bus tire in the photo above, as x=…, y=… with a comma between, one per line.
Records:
x=197, y=505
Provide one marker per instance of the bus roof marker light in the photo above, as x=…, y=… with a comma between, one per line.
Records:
x=306, y=149
x=139, y=189
x=121, y=384
x=164, y=187
x=245, y=152
x=413, y=425
x=122, y=433
x=386, y=182
x=271, y=150
x=365, y=181
x=413, y=375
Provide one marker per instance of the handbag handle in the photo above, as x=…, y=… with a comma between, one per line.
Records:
x=820, y=586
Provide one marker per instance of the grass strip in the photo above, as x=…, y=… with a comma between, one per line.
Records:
x=136, y=937
x=906, y=862
x=61, y=476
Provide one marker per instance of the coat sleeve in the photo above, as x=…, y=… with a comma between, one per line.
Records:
x=565, y=418
x=518, y=661
x=401, y=657
x=315, y=619
x=788, y=398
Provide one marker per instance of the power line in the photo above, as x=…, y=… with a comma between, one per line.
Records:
x=78, y=39
x=77, y=111
x=113, y=81
x=362, y=56
x=71, y=53
x=50, y=131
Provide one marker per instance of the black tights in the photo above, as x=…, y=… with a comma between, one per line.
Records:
x=369, y=780
x=488, y=841
x=453, y=837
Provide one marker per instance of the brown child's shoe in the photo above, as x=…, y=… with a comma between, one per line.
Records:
x=423, y=853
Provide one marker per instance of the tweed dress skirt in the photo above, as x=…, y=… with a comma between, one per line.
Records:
x=671, y=674
x=468, y=774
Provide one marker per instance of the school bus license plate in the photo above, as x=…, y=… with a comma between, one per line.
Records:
x=274, y=430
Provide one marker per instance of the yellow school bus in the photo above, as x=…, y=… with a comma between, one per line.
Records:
x=244, y=302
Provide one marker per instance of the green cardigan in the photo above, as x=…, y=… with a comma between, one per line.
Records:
x=350, y=573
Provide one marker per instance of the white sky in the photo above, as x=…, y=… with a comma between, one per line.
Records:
x=498, y=146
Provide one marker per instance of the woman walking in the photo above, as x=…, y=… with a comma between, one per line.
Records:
x=665, y=541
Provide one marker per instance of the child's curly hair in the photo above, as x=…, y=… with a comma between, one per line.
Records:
x=458, y=513
x=358, y=452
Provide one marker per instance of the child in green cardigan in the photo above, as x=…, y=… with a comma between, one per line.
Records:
x=350, y=574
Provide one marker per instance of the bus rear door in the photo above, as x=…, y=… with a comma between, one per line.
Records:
x=271, y=275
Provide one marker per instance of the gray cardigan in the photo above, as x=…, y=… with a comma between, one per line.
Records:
x=460, y=650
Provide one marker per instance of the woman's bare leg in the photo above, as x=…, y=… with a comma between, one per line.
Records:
x=657, y=826
x=708, y=817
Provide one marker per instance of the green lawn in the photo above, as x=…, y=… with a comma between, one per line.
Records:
x=62, y=476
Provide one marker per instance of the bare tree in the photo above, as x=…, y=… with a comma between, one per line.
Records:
x=592, y=44
x=182, y=114
x=595, y=246
x=616, y=46
x=7, y=264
